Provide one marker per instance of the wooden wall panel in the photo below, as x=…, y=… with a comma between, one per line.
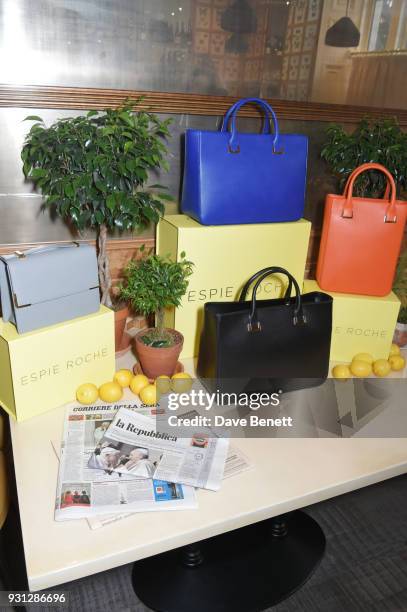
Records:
x=79, y=98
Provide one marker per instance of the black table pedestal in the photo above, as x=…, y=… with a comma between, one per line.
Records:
x=246, y=570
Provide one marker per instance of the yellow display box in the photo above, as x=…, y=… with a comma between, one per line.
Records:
x=225, y=257
x=42, y=369
x=360, y=324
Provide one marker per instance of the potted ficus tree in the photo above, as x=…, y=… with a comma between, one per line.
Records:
x=151, y=285
x=374, y=140
x=92, y=171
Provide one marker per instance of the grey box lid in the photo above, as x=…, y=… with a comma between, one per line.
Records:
x=38, y=275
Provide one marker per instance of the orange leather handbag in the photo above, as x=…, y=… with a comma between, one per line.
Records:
x=361, y=239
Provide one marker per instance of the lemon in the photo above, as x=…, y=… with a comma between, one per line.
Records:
x=138, y=382
x=360, y=368
x=87, y=393
x=394, y=350
x=110, y=392
x=163, y=384
x=148, y=395
x=381, y=367
x=364, y=357
x=397, y=362
x=341, y=372
x=181, y=382
x=123, y=377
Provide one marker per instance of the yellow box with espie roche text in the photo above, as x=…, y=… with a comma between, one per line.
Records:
x=225, y=257
x=360, y=323
x=41, y=370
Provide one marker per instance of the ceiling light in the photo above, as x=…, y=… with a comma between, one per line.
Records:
x=343, y=33
x=239, y=18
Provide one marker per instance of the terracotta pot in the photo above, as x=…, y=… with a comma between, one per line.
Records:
x=137, y=369
x=400, y=334
x=158, y=361
x=120, y=317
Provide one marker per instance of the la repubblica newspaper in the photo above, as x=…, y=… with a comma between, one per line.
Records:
x=84, y=491
x=236, y=463
x=133, y=445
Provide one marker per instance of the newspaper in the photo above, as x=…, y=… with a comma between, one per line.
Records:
x=236, y=463
x=133, y=445
x=84, y=492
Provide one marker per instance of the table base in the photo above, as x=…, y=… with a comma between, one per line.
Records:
x=245, y=570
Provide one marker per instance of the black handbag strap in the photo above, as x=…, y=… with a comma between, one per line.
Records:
x=264, y=273
x=298, y=316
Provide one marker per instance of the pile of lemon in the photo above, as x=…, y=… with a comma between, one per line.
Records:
x=149, y=393
x=364, y=365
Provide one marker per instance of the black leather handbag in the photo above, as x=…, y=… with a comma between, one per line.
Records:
x=266, y=346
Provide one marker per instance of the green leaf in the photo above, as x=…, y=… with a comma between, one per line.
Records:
x=52, y=199
x=69, y=190
x=37, y=173
x=107, y=131
x=127, y=118
x=99, y=217
x=111, y=202
x=33, y=118
x=131, y=165
x=166, y=196
x=101, y=186
x=151, y=214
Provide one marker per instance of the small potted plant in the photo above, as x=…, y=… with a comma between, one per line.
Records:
x=92, y=171
x=152, y=285
x=400, y=289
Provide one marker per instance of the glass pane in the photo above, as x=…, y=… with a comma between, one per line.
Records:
x=401, y=38
x=269, y=48
x=380, y=25
x=235, y=47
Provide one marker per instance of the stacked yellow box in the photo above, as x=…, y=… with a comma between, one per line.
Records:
x=42, y=369
x=225, y=257
x=360, y=323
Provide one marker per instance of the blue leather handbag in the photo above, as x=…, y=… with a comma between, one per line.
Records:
x=232, y=177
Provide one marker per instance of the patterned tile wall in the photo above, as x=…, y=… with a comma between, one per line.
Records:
x=236, y=74
x=299, y=53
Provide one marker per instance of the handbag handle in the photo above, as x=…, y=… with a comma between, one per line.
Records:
x=254, y=324
x=386, y=193
x=225, y=122
x=263, y=273
x=233, y=145
x=390, y=215
x=44, y=248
